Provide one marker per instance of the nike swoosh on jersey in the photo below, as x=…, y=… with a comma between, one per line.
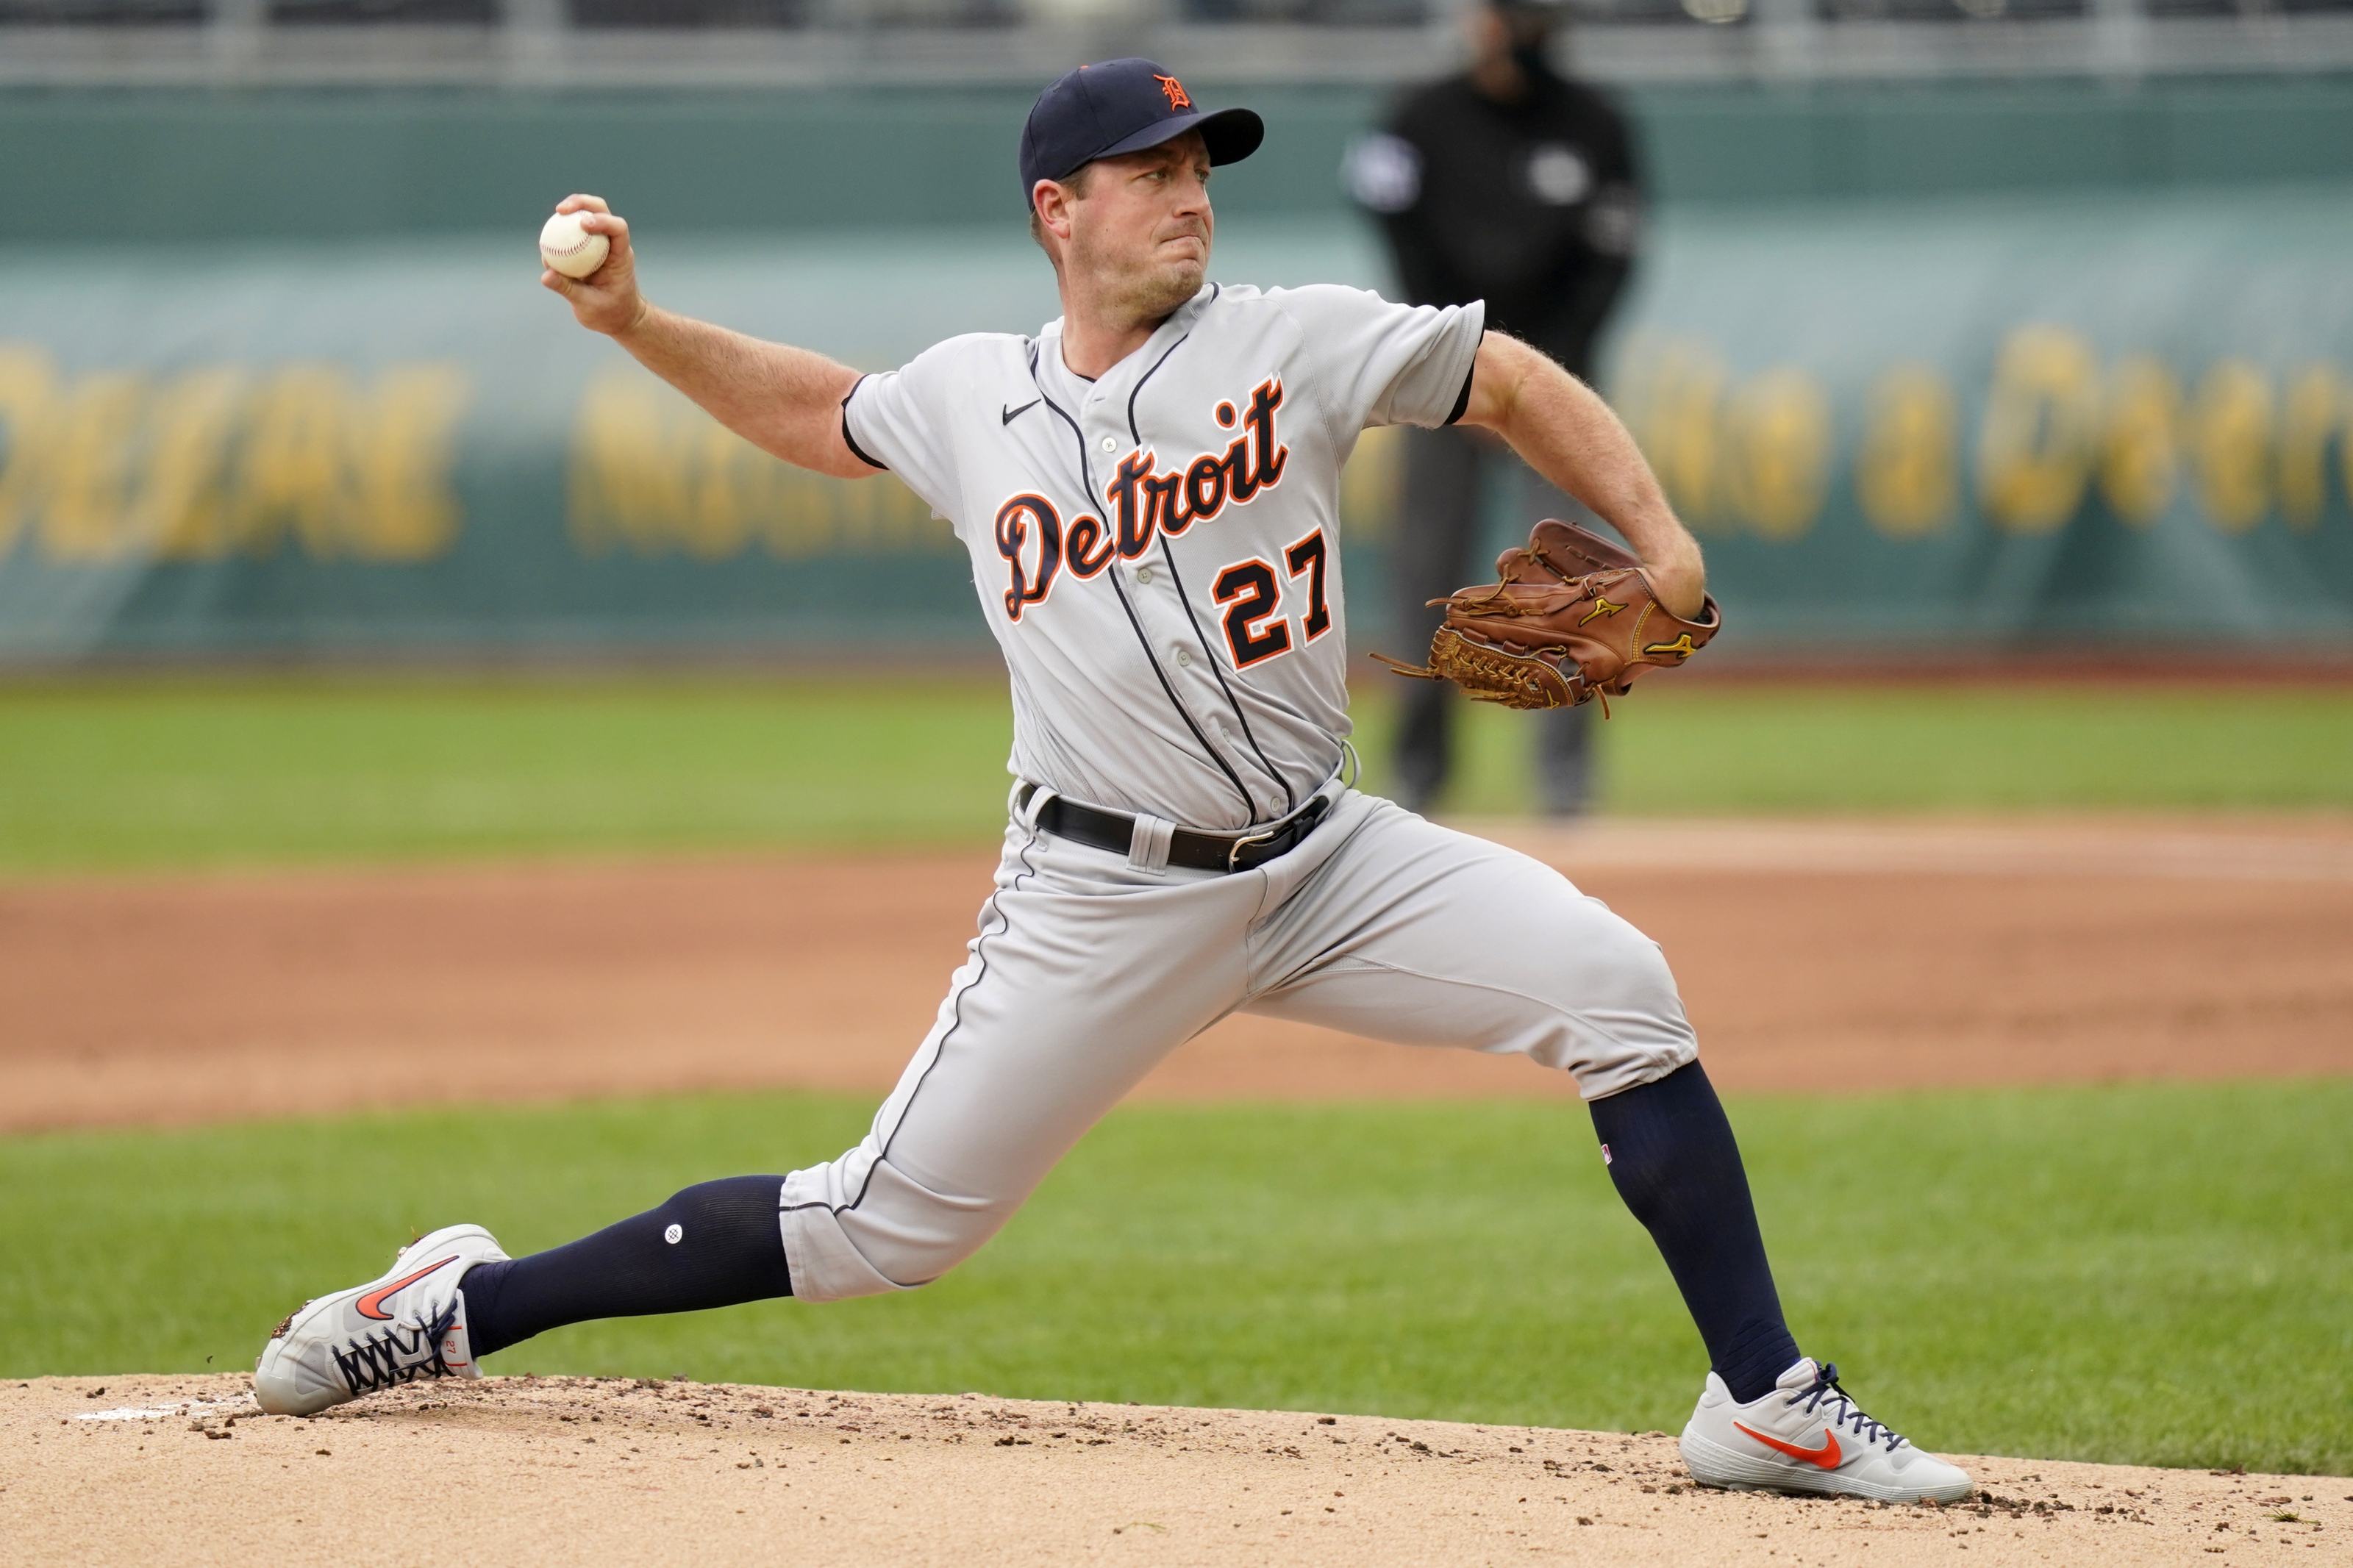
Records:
x=1827, y=1455
x=1013, y=414
x=372, y=1304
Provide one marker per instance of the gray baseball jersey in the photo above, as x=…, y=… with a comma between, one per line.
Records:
x=1159, y=551
x=1159, y=554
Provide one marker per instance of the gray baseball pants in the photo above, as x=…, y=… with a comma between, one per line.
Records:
x=1089, y=968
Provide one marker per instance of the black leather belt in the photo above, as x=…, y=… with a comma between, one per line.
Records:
x=1115, y=831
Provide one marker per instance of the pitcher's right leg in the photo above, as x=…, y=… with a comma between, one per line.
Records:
x=1086, y=972
x=1084, y=975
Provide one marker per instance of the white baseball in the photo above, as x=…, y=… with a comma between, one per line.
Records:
x=570, y=249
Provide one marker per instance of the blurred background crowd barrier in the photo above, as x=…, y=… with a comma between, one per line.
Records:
x=1960, y=324
x=827, y=42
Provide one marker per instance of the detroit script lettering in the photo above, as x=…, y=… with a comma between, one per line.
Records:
x=1143, y=500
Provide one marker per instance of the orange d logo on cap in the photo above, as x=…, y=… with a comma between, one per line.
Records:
x=1116, y=106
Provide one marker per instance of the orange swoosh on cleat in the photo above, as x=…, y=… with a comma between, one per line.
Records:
x=1827, y=1455
x=372, y=1304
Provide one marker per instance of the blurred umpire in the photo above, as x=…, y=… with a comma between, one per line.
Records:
x=1511, y=184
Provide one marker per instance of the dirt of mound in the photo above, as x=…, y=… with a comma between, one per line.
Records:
x=1812, y=956
x=97, y=1471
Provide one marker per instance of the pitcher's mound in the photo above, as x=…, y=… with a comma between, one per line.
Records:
x=568, y=1470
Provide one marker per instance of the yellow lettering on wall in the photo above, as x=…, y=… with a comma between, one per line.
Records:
x=402, y=504
x=1686, y=422
x=1777, y=436
x=86, y=515
x=854, y=514
x=2230, y=439
x=726, y=478
x=1907, y=470
x=795, y=519
x=628, y=469
x=879, y=519
x=293, y=477
x=113, y=466
x=1672, y=396
x=2035, y=448
x=181, y=507
x=1755, y=453
x=650, y=473
x=2314, y=413
x=28, y=390
x=2140, y=451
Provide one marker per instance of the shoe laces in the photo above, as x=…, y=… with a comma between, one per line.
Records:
x=1826, y=1392
x=397, y=1355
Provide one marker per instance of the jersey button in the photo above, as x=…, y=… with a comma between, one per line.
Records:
x=1184, y=655
x=1144, y=573
x=1111, y=443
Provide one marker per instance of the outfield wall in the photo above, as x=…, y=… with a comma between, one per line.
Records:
x=1997, y=414
x=124, y=166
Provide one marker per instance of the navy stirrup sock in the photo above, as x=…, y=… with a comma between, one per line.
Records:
x=715, y=1245
x=1671, y=1157
x=1673, y=1160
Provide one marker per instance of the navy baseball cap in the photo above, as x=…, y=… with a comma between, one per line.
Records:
x=1122, y=106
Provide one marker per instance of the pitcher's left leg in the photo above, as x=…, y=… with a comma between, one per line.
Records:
x=1416, y=933
x=1413, y=933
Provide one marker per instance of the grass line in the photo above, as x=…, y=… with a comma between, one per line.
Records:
x=141, y=773
x=2154, y=1274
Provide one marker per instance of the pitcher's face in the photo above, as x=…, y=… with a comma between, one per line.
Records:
x=1140, y=233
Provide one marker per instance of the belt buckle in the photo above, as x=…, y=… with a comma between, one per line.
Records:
x=1299, y=825
x=1234, y=854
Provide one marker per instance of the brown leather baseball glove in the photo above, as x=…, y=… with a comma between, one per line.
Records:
x=1573, y=618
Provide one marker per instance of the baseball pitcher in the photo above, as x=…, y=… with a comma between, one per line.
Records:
x=1148, y=489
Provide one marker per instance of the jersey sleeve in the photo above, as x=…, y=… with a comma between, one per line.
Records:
x=893, y=420
x=1379, y=363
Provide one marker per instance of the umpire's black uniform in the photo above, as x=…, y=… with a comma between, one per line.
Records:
x=1532, y=205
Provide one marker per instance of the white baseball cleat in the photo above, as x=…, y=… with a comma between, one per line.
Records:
x=408, y=1324
x=1807, y=1436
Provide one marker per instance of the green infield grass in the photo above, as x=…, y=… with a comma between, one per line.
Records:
x=135, y=774
x=2161, y=1274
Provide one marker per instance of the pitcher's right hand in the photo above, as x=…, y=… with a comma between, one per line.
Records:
x=607, y=300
